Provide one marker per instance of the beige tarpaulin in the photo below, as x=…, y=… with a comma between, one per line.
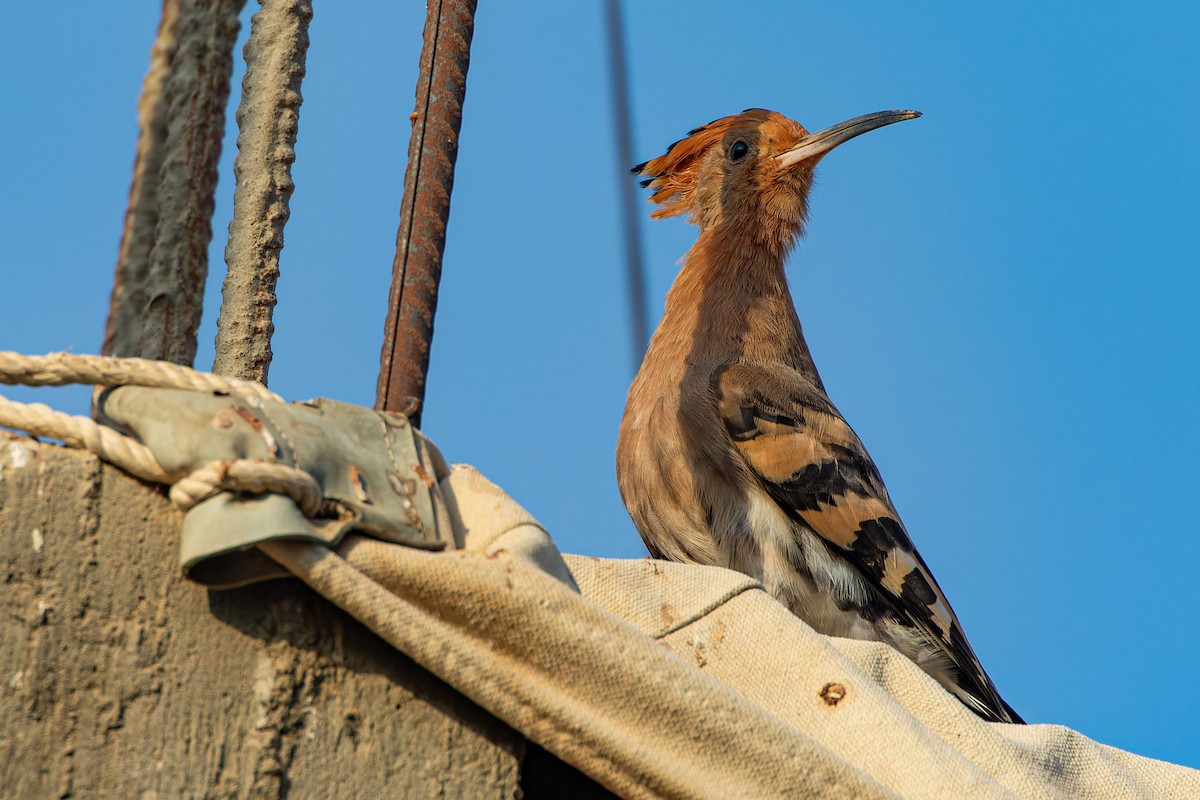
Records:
x=659, y=680
x=666, y=680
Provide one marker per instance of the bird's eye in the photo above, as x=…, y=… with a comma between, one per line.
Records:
x=738, y=150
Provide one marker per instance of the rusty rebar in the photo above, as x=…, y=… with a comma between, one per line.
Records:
x=158, y=290
x=626, y=191
x=425, y=206
x=268, y=119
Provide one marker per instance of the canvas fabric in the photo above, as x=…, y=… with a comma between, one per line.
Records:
x=664, y=680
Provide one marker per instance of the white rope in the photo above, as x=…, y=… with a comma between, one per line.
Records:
x=251, y=477
x=116, y=448
x=60, y=369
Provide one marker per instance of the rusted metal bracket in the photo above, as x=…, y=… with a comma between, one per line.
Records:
x=425, y=207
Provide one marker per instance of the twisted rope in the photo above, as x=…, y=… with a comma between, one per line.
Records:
x=187, y=488
x=251, y=477
x=61, y=369
x=116, y=448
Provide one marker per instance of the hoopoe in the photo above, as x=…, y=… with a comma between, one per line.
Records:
x=730, y=452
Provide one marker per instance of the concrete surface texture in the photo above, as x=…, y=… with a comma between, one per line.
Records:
x=120, y=679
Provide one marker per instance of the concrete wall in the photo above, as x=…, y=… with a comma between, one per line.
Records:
x=120, y=680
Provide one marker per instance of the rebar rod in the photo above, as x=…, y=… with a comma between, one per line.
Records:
x=158, y=292
x=123, y=327
x=268, y=121
x=425, y=206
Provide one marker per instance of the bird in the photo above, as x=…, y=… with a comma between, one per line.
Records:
x=730, y=452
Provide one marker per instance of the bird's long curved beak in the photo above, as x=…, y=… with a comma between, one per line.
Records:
x=824, y=140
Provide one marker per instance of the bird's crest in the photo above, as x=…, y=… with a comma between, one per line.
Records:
x=672, y=176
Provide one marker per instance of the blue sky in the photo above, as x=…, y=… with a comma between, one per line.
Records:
x=1001, y=296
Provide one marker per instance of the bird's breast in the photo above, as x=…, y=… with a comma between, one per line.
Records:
x=693, y=499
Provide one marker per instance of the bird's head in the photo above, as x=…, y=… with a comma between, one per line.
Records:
x=749, y=172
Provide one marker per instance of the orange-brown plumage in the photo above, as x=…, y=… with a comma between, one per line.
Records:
x=771, y=203
x=730, y=452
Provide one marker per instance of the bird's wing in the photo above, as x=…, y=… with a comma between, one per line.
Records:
x=815, y=467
